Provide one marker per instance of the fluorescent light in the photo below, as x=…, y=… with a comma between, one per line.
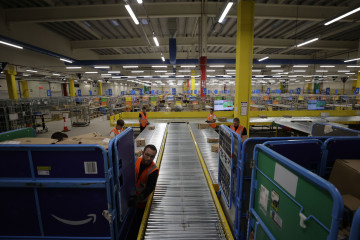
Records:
x=66, y=60
x=307, y=42
x=56, y=74
x=156, y=41
x=300, y=66
x=170, y=73
x=273, y=66
x=217, y=66
x=130, y=66
x=327, y=66
x=256, y=70
x=188, y=66
x=350, y=60
x=277, y=70
x=137, y=71
x=91, y=72
x=307, y=80
x=31, y=71
x=101, y=66
x=161, y=71
x=116, y=77
x=26, y=75
x=106, y=74
x=73, y=67
x=353, y=66
x=159, y=66
x=299, y=70
x=210, y=70
x=226, y=10
x=163, y=59
x=321, y=71
x=262, y=59
x=132, y=14
x=342, y=16
x=350, y=73
x=139, y=1
x=184, y=71
x=343, y=70
x=11, y=45
x=113, y=71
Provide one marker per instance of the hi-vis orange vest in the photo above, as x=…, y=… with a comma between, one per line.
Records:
x=143, y=120
x=239, y=130
x=116, y=132
x=210, y=117
x=142, y=179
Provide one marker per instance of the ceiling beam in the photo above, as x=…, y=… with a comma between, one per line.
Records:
x=214, y=41
x=168, y=10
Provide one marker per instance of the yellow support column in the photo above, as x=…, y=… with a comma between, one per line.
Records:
x=193, y=82
x=24, y=89
x=71, y=87
x=357, y=84
x=11, y=84
x=244, y=59
x=308, y=88
x=100, y=88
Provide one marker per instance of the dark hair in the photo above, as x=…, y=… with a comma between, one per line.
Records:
x=143, y=108
x=152, y=147
x=59, y=136
x=236, y=119
x=211, y=109
x=120, y=122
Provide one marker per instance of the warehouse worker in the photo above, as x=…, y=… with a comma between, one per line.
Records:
x=211, y=119
x=143, y=119
x=239, y=129
x=146, y=177
x=118, y=128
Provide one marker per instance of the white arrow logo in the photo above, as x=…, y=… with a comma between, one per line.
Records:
x=75, y=223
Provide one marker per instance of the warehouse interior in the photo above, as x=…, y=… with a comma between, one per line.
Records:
x=288, y=71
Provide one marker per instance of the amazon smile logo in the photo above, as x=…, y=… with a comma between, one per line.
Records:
x=76, y=223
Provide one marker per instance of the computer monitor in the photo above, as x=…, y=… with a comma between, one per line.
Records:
x=316, y=105
x=223, y=105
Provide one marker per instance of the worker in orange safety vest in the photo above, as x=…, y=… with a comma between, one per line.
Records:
x=211, y=119
x=118, y=128
x=239, y=129
x=143, y=119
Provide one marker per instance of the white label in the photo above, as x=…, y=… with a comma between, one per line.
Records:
x=328, y=129
x=13, y=116
x=264, y=198
x=276, y=218
x=286, y=179
x=90, y=168
x=107, y=140
x=243, y=111
x=43, y=172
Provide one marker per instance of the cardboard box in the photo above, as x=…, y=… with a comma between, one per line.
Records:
x=140, y=142
x=222, y=119
x=203, y=125
x=345, y=175
x=102, y=141
x=138, y=153
x=30, y=140
x=215, y=148
x=351, y=202
x=151, y=127
x=213, y=140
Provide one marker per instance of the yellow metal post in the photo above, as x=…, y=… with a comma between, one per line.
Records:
x=244, y=59
x=11, y=84
x=308, y=88
x=24, y=89
x=71, y=87
x=193, y=82
x=357, y=84
x=100, y=88
x=163, y=89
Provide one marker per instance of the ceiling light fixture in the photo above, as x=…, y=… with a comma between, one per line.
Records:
x=139, y=1
x=91, y=72
x=113, y=71
x=137, y=71
x=163, y=59
x=11, y=45
x=188, y=66
x=130, y=66
x=56, y=74
x=156, y=41
x=101, y=66
x=327, y=66
x=353, y=66
x=161, y=71
x=225, y=12
x=31, y=71
x=300, y=66
x=159, y=66
x=350, y=60
x=73, y=67
x=262, y=59
x=66, y=60
x=132, y=14
x=342, y=16
x=307, y=42
x=299, y=70
x=217, y=66
x=273, y=66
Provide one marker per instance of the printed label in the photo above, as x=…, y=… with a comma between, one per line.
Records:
x=43, y=172
x=275, y=201
x=276, y=218
x=264, y=198
x=90, y=168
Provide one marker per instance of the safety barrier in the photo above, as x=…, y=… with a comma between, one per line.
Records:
x=324, y=129
x=67, y=191
x=282, y=202
x=355, y=226
x=23, y=132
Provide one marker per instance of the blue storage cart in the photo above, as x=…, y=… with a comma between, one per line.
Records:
x=355, y=226
x=289, y=202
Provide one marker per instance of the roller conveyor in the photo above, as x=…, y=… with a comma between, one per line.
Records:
x=211, y=158
x=182, y=206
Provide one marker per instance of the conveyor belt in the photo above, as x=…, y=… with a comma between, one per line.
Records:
x=182, y=206
x=154, y=137
x=211, y=158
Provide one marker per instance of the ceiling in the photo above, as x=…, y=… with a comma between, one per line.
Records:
x=99, y=30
